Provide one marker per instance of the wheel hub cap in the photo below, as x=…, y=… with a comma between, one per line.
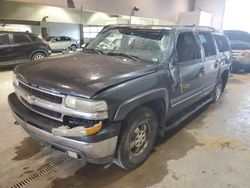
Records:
x=139, y=139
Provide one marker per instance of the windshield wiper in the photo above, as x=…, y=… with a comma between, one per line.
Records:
x=94, y=50
x=124, y=55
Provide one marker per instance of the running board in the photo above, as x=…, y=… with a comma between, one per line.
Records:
x=178, y=119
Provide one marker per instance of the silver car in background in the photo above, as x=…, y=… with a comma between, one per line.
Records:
x=62, y=43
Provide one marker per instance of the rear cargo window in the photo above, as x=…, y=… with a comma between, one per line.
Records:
x=222, y=43
x=4, y=39
x=208, y=43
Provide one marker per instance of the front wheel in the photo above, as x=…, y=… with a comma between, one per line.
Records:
x=138, y=138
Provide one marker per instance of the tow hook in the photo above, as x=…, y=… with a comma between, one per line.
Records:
x=79, y=131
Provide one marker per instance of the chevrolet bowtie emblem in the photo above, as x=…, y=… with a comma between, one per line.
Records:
x=31, y=99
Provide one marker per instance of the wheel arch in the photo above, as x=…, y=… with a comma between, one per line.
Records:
x=157, y=100
x=38, y=51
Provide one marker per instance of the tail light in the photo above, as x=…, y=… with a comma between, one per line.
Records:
x=45, y=43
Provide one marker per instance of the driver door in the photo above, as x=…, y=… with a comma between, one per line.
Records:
x=188, y=70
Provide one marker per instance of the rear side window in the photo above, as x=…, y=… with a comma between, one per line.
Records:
x=35, y=38
x=222, y=43
x=67, y=38
x=4, y=39
x=208, y=44
x=187, y=47
x=20, y=38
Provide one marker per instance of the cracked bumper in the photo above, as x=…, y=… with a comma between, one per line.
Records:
x=100, y=152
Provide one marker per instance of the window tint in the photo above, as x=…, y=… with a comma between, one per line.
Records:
x=222, y=43
x=67, y=38
x=19, y=38
x=58, y=38
x=4, y=39
x=35, y=38
x=187, y=48
x=207, y=43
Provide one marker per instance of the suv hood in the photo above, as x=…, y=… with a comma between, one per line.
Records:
x=82, y=74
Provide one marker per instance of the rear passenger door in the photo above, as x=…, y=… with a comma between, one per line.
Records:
x=22, y=46
x=189, y=70
x=212, y=60
x=5, y=49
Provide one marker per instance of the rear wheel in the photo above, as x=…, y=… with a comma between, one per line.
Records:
x=73, y=47
x=137, y=139
x=37, y=56
x=217, y=91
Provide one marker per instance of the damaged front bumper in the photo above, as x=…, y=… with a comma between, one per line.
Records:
x=98, y=148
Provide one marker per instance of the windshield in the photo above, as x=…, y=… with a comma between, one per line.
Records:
x=143, y=44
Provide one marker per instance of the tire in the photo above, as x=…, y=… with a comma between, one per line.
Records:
x=73, y=47
x=137, y=140
x=217, y=91
x=37, y=56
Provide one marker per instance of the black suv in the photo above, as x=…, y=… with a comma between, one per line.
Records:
x=17, y=47
x=110, y=102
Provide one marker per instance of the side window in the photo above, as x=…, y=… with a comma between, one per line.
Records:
x=67, y=38
x=222, y=43
x=20, y=38
x=4, y=39
x=35, y=38
x=207, y=43
x=64, y=38
x=187, y=47
x=58, y=39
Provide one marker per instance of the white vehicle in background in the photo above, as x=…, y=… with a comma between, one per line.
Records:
x=61, y=43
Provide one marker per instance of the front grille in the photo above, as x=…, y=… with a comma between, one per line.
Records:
x=40, y=94
x=42, y=110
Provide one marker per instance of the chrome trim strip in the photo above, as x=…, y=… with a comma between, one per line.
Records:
x=200, y=92
x=60, y=108
x=95, y=150
x=41, y=90
x=186, y=99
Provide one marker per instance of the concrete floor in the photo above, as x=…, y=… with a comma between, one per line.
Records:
x=212, y=150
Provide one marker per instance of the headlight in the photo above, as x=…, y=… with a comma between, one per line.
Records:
x=97, y=108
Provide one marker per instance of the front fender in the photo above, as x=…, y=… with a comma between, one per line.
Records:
x=126, y=107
